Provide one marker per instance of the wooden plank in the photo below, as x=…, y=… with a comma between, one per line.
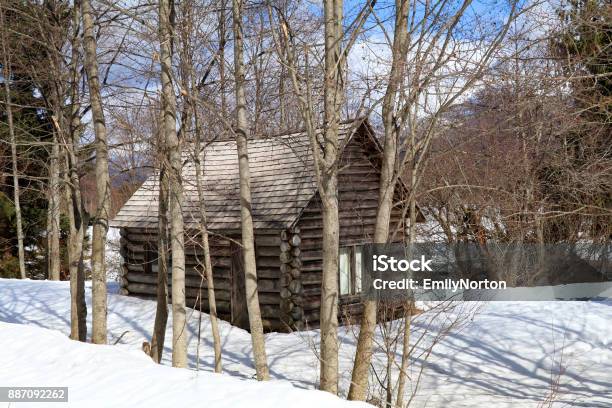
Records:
x=239, y=311
x=143, y=288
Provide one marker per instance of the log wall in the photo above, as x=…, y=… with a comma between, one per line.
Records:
x=358, y=184
x=291, y=306
x=139, y=271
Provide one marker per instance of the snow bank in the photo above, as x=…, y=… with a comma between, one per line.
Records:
x=107, y=376
x=506, y=355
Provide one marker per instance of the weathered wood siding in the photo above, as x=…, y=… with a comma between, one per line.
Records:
x=358, y=184
x=139, y=277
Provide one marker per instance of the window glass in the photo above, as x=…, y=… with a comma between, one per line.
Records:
x=358, y=268
x=344, y=266
x=150, y=258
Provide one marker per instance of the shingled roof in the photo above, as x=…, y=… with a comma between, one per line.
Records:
x=282, y=184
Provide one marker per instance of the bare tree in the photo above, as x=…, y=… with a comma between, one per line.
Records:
x=6, y=74
x=248, y=236
x=222, y=34
x=175, y=187
x=190, y=88
x=326, y=166
x=430, y=70
x=53, y=212
x=208, y=273
x=51, y=24
x=100, y=227
x=77, y=215
x=326, y=148
x=359, y=378
x=78, y=220
x=189, y=50
x=161, y=313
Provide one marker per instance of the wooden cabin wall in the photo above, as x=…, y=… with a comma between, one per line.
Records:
x=139, y=276
x=140, y=269
x=358, y=185
x=267, y=253
x=291, y=293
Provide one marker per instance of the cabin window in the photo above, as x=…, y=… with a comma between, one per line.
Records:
x=350, y=263
x=358, y=268
x=344, y=264
x=150, y=257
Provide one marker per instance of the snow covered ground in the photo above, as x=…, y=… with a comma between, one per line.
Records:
x=508, y=354
x=105, y=376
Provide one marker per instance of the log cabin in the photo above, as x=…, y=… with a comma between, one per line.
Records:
x=287, y=222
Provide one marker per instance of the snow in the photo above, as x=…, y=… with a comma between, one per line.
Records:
x=573, y=291
x=105, y=376
x=505, y=354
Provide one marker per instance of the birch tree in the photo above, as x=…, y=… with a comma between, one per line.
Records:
x=175, y=187
x=326, y=167
x=326, y=149
x=100, y=224
x=77, y=216
x=431, y=69
x=246, y=215
x=359, y=378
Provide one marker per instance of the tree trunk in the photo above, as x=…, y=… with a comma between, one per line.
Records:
x=78, y=222
x=325, y=150
x=408, y=307
x=9, y=112
x=363, y=354
x=403, y=375
x=329, y=290
x=77, y=218
x=212, y=303
x=100, y=227
x=161, y=313
x=175, y=188
x=282, y=114
x=328, y=190
x=53, y=213
x=248, y=238
x=222, y=41
x=57, y=102
x=388, y=180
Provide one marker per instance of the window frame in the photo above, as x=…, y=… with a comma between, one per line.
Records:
x=150, y=258
x=352, y=261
